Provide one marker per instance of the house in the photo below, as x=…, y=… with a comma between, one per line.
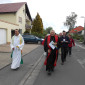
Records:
x=13, y=16
x=78, y=30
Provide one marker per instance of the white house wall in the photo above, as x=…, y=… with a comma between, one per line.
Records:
x=21, y=14
x=8, y=27
x=82, y=32
x=9, y=17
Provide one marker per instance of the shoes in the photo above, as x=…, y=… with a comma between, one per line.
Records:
x=49, y=72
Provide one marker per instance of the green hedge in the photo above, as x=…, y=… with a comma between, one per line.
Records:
x=78, y=37
x=38, y=35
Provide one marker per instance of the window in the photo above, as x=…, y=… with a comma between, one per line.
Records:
x=23, y=11
x=20, y=19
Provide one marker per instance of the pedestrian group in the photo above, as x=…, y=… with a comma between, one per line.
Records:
x=53, y=46
x=62, y=45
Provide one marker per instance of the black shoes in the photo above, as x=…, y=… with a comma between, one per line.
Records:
x=49, y=72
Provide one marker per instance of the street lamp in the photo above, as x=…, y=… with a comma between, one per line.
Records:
x=84, y=28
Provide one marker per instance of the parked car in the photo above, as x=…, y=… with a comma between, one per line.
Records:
x=32, y=38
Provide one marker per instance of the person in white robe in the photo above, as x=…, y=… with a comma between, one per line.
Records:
x=17, y=44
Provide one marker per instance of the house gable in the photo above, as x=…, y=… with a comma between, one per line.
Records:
x=10, y=7
x=13, y=8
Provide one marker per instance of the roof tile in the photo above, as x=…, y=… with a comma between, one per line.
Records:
x=77, y=29
x=10, y=7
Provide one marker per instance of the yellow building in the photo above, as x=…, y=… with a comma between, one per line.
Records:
x=13, y=16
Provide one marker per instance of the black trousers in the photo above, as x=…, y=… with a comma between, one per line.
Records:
x=64, y=51
x=69, y=50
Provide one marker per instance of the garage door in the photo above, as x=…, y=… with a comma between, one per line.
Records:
x=2, y=36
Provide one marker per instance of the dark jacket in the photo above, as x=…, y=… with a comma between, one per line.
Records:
x=64, y=41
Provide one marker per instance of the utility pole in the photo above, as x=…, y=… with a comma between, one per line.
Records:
x=84, y=28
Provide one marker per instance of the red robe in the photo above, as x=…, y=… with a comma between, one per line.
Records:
x=48, y=41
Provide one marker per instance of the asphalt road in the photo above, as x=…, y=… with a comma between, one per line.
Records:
x=71, y=73
x=14, y=77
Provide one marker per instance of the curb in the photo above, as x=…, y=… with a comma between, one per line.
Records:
x=4, y=52
x=28, y=74
x=22, y=56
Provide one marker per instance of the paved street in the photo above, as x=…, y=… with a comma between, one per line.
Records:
x=13, y=77
x=32, y=73
x=71, y=73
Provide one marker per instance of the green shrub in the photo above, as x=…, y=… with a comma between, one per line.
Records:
x=81, y=40
x=26, y=32
x=78, y=37
x=38, y=35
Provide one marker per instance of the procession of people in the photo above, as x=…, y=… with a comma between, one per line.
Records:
x=53, y=44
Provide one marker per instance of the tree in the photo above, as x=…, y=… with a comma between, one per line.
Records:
x=48, y=30
x=71, y=20
x=44, y=32
x=37, y=24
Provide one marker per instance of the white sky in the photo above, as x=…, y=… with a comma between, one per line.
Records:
x=54, y=12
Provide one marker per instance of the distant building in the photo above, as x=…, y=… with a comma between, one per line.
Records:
x=79, y=30
x=13, y=16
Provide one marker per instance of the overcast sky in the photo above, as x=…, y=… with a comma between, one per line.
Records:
x=54, y=12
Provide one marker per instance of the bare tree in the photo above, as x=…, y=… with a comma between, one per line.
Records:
x=71, y=20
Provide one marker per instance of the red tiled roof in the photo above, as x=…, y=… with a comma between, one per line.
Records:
x=10, y=7
x=77, y=29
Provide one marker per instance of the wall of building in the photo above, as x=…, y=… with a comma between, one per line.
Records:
x=21, y=13
x=14, y=18
x=82, y=32
x=10, y=21
x=8, y=27
x=10, y=17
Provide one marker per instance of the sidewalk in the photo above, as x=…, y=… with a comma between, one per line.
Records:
x=79, y=43
x=5, y=53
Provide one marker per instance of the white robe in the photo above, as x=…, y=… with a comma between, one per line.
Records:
x=16, y=57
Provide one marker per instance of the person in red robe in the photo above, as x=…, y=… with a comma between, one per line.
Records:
x=44, y=39
x=51, y=58
x=71, y=44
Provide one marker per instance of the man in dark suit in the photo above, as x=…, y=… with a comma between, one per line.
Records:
x=64, y=46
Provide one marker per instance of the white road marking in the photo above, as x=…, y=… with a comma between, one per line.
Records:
x=81, y=62
x=80, y=46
